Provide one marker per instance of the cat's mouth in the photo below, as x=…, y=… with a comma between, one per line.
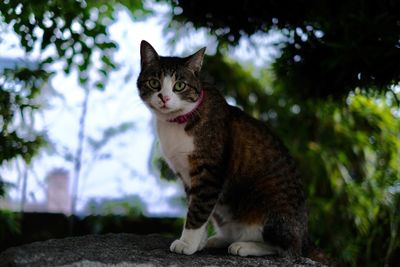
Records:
x=164, y=109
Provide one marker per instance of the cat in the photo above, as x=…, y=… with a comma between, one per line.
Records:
x=235, y=171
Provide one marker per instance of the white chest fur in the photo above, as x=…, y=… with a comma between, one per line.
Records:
x=176, y=146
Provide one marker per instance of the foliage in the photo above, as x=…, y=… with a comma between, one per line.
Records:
x=108, y=134
x=52, y=33
x=18, y=89
x=9, y=223
x=68, y=33
x=328, y=49
x=75, y=29
x=350, y=160
x=130, y=206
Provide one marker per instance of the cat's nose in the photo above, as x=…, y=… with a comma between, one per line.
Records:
x=164, y=99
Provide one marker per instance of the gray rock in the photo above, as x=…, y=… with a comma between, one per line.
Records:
x=123, y=250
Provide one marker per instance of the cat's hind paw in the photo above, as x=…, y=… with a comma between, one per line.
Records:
x=251, y=249
x=181, y=247
x=217, y=242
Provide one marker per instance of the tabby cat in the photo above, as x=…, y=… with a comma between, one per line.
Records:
x=236, y=173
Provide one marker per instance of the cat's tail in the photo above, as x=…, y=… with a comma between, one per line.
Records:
x=310, y=250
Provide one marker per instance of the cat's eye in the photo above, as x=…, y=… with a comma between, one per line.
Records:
x=153, y=83
x=179, y=86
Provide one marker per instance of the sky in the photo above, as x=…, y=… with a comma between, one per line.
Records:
x=128, y=171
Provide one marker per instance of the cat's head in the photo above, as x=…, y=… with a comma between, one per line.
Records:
x=169, y=86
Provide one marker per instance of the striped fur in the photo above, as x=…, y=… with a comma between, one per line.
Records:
x=236, y=172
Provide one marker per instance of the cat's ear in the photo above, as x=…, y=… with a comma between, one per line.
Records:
x=195, y=61
x=148, y=54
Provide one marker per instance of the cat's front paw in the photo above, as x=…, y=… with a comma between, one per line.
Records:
x=182, y=247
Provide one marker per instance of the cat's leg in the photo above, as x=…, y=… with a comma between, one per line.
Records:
x=251, y=248
x=203, y=195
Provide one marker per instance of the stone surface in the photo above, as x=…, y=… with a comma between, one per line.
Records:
x=123, y=250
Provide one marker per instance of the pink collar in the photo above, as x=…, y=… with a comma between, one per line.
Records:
x=185, y=117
